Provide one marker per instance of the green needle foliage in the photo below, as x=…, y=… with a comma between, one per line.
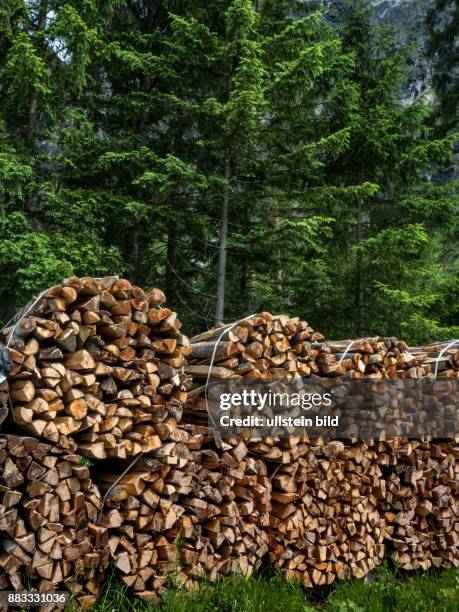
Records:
x=241, y=155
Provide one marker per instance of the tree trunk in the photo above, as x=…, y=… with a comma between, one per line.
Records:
x=169, y=277
x=33, y=104
x=244, y=281
x=134, y=256
x=222, y=247
x=279, y=280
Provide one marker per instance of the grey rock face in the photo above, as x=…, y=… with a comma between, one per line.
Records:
x=409, y=18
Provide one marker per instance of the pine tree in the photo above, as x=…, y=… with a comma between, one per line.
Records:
x=392, y=270
x=302, y=52
x=46, y=47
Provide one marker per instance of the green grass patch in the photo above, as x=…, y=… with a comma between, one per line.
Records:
x=387, y=590
x=392, y=591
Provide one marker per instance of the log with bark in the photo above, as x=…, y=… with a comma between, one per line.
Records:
x=97, y=367
x=49, y=536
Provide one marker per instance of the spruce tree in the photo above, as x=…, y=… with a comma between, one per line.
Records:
x=302, y=53
x=393, y=271
x=47, y=233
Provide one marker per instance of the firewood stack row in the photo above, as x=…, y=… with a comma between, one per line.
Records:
x=190, y=510
x=381, y=358
x=442, y=359
x=271, y=347
x=330, y=515
x=324, y=522
x=229, y=504
x=100, y=368
x=420, y=504
x=48, y=512
x=145, y=515
x=97, y=368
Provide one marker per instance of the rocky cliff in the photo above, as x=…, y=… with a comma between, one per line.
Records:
x=409, y=16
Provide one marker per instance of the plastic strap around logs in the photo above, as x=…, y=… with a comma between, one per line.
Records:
x=227, y=329
x=348, y=347
x=452, y=343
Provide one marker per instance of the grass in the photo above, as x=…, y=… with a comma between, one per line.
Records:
x=386, y=591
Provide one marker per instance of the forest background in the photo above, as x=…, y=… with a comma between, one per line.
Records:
x=241, y=155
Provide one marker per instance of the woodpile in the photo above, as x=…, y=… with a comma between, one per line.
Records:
x=97, y=368
x=281, y=348
x=265, y=346
x=324, y=522
x=145, y=516
x=380, y=358
x=442, y=359
x=229, y=506
x=190, y=510
x=48, y=511
x=334, y=505
x=102, y=370
x=260, y=347
x=420, y=504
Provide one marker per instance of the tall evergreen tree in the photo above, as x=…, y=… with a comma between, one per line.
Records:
x=302, y=53
x=389, y=235
x=45, y=49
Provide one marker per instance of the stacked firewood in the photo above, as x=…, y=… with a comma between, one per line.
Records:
x=145, y=516
x=442, y=359
x=421, y=503
x=189, y=509
x=229, y=505
x=276, y=347
x=97, y=367
x=329, y=505
x=324, y=523
x=262, y=347
x=48, y=512
x=100, y=368
x=380, y=358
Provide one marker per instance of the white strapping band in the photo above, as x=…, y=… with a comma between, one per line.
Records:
x=227, y=329
x=452, y=343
